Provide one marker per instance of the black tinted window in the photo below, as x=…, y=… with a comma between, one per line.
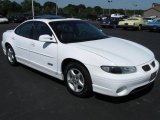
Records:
x=40, y=28
x=76, y=31
x=25, y=29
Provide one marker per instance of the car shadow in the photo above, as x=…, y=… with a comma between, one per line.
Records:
x=118, y=100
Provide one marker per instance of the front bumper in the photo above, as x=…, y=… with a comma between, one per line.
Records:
x=106, y=25
x=122, y=85
x=127, y=26
x=152, y=27
x=1, y=22
x=3, y=47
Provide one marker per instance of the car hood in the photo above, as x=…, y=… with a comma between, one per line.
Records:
x=119, y=51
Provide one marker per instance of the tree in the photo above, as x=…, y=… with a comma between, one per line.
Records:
x=5, y=4
x=37, y=7
x=49, y=7
x=89, y=10
x=15, y=7
x=81, y=8
x=26, y=5
x=71, y=9
x=98, y=10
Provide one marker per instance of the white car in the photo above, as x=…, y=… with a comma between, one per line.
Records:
x=83, y=56
x=3, y=19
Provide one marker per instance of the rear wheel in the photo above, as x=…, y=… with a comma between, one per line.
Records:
x=139, y=27
x=125, y=28
x=11, y=55
x=77, y=80
x=103, y=26
x=114, y=26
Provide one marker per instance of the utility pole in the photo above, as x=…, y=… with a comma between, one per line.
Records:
x=125, y=11
x=33, y=9
x=135, y=5
x=109, y=2
x=103, y=11
x=56, y=7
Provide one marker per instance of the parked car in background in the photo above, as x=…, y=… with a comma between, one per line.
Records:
x=18, y=19
x=149, y=19
x=110, y=22
x=21, y=18
x=100, y=18
x=3, y=19
x=153, y=25
x=117, y=15
x=132, y=22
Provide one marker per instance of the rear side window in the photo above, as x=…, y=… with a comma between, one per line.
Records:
x=25, y=30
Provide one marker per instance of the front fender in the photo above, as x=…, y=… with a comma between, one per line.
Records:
x=87, y=58
x=7, y=38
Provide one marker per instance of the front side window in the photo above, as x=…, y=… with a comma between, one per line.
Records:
x=25, y=29
x=76, y=31
x=40, y=28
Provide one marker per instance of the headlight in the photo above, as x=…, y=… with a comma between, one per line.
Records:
x=119, y=70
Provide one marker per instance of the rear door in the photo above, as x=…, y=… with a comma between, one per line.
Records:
x=22, y=39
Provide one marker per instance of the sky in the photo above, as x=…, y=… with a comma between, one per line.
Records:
x=125, y=4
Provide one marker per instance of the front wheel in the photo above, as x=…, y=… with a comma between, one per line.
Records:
x=11, y=56
x=77, y=80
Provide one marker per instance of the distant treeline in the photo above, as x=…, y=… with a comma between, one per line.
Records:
x=11, y=8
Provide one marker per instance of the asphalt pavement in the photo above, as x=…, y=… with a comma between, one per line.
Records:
x=26, y=94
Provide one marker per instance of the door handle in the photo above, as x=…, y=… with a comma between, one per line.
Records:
x=13, y=38
x=33, y=44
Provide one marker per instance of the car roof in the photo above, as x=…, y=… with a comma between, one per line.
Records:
x=49, y=17
x=54, y=20
x=135, y=18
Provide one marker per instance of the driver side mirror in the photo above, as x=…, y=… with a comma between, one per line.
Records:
x=47, y=38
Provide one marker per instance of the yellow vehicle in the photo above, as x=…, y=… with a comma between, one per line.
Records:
x=132, y=22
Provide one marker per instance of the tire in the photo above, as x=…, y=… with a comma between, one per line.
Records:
x=151, y=30
x=124, y=28
x=114, y=26
x=78, y=80
x=139, y=27
x=103, y=26
x=11, y=56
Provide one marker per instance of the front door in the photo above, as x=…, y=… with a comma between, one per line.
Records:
x=43, y=54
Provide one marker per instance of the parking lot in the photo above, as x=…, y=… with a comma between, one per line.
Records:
x=26, y=94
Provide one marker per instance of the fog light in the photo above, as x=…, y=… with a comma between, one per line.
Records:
x=122, y=91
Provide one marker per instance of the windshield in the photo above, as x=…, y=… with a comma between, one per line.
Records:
x=76, y=31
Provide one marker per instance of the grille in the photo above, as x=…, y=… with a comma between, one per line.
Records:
x=153, y=64
x=146, y=68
